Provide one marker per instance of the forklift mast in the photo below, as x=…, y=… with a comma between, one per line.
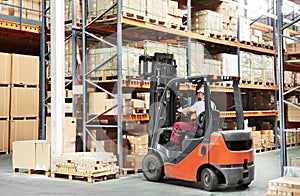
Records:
x=160, y=69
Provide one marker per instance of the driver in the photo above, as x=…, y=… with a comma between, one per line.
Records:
x=198, y=107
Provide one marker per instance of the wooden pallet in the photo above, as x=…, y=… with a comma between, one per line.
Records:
x=245, y=81
x=103, y=176
x=20, y=85
x=176, y=26
x=156, y=22
x=127, y=171
x=32, y=171
x=259, y=150
x=206, y=34
x=229, y=38
x=246, y=42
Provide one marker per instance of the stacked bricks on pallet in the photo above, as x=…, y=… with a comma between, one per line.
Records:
x=24, y=109
x=206, y=22
x=131, y=8
x=197, y=58
x=69, y=133
x=93, y=166
x=229, y=15
x=229, y=64
x=130, y=61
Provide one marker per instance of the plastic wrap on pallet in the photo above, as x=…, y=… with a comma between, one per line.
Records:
x=207, y=22
x=197, y=58
x=257, y=68
x=135, y=7
x=288, y=78
x=157, y=10
x=212, y=66
x=229, y=64
x=245, y=65
x=150, y=47
x=269, y=73
x=130, y=61
x=292, y=171
x=245, y=33
x=179, y=53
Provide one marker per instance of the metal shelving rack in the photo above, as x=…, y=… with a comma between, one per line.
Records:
x=281, y=27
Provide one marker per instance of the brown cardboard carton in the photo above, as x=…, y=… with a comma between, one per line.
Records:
x=32, y=154
x=25, y=69
x=295, y=161
x=5, y=67
x=69, y=133
x=4, y=102
x=24, y=102
x=97, y=102
x=24, y=154
x=23, y=130
x=4, y=136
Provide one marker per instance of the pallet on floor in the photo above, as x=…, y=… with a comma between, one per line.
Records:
x=32, y=171
x=128, y=171
x=90, y=178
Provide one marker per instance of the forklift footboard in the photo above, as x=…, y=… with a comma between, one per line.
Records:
x=237, y=174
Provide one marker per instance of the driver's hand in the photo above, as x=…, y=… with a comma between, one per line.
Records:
x=179, y=109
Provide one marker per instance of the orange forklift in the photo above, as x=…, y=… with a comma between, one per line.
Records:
x=210, y=155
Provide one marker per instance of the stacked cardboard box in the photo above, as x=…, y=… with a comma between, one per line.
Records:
x=257, y=139
x=174, y=13
x=267, y=137
x=257, y=36
x=31, y=154
x=138, y=147
x=179, y=53
x=229, y=14
x=31, y=9
x=69, y=10
x=207, y=22
x=69, y=133
x=244, y=27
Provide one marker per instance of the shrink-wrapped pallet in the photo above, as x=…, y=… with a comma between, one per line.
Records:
x=207, y=22
x=197, y=58
x=229, y=64
x=157, y=10
x=245, y=66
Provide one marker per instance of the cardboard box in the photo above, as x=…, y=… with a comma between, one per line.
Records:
x=25, y=69
x=32, y=154
x=295, y=161
x=23, y=130
x=69, y=133
x=5, y=67
x=4, y=136
x=97, y=102
x=24, y=102
x=4, y=102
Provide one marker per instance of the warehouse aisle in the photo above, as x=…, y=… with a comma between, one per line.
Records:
x=267, y=167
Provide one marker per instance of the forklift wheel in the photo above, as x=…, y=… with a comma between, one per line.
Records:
x=153, y=167
x=209, y=180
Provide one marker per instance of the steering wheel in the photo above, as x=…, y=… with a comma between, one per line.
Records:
x=201, y=120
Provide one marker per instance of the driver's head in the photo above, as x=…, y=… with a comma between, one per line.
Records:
x=201, y=93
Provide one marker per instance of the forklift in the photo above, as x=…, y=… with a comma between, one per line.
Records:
x=210, y=155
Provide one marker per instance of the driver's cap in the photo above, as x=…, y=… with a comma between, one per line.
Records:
x=201, y=90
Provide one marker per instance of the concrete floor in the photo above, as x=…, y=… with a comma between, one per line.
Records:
x=267, y=167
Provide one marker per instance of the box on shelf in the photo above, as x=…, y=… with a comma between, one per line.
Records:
x=24, y=102
x=32, y=154
x=5, y=66
x=23, y=130
x=69, y=10
x=207, y=22
x=97, y=102
x=4, y=102
x=4, y=135
x=25, y=69
x=69, y=133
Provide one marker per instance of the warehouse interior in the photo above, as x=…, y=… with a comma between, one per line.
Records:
x=77, y=104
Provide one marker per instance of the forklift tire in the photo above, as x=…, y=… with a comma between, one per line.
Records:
x=209, y=179
x=153, y=167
